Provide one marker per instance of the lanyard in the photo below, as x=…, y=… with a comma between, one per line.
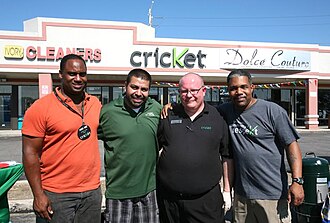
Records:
x=71, y=109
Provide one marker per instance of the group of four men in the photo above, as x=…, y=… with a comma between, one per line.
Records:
x=194, y=146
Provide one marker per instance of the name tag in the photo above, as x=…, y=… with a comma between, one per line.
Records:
x=176, y=122
x=206, y=128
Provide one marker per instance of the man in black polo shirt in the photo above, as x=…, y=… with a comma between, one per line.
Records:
x=195, y=153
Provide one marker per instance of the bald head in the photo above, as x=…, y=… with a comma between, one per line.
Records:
x=192, y=92
x=191, y=78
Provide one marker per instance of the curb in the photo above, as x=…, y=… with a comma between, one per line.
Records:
x=10, y=133
x=20, y=206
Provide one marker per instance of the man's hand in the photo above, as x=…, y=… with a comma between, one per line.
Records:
x=227, y=200
x=164, y=112
x=296, y=194
x=42, y=207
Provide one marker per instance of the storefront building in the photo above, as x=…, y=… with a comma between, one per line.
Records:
x=296, y=76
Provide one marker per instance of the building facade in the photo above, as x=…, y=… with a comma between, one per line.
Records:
x=296, y=76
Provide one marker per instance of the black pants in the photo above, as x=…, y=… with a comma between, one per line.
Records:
x=175, y=208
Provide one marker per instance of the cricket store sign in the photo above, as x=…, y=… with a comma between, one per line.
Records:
x=49, y=53
x=277, y=59
x=181, y=58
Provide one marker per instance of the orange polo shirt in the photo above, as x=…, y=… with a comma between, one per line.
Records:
x=67, y=163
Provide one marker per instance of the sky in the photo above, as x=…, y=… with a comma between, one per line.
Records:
x=280, y=21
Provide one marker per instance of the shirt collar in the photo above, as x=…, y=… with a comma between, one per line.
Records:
x=67, y=99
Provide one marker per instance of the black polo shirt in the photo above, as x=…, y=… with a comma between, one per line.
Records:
x=190, y=161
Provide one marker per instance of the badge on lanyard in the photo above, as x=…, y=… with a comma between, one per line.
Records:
x=84, y=132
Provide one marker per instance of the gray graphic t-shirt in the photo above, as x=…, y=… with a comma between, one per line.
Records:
x=259, y=136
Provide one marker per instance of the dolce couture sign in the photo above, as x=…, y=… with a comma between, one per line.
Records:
x=275, y=59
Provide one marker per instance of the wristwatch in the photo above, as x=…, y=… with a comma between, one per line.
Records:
x=298, y=180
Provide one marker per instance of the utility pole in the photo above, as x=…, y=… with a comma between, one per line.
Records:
x=150, y=17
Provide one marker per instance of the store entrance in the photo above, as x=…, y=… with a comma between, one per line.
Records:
x=5, y=115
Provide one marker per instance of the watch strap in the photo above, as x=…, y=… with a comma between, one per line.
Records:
x=298, y=180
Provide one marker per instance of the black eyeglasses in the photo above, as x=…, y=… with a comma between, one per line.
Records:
x=192, y=91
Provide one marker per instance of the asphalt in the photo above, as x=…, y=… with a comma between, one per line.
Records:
x=20, y=197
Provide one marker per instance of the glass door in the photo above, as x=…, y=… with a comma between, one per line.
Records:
x=324, y=106
x=5, y=114
x=299, y=108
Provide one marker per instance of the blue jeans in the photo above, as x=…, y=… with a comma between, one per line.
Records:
x=83, y=207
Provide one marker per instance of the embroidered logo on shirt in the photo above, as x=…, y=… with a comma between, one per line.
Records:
x=150, y=114
x=206, y=127
x=240, y=128
x=176, y=121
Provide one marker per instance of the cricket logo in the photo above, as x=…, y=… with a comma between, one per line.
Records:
x=241, y=128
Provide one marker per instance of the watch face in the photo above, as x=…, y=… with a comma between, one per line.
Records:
x=298, y=180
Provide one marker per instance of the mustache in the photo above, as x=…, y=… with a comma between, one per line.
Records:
x=137, y=96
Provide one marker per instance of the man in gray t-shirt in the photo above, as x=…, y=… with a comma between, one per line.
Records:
x=261, y=133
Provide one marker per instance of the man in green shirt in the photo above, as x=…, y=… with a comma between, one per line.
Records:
x=128, y=128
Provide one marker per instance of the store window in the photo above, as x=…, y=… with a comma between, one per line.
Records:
x=5, y=112
x=95, y=91
x=26, y=96
x=323, y=106
x=118, y=92
x=156, y=93
x=261, y=93
x=105, y=95
x=212, y=95
x=173, y=95
x=299, y=108
x=102, y=93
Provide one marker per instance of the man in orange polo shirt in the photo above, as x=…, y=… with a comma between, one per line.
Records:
x=60, y=149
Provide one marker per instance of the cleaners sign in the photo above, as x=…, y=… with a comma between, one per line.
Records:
x=275, y=59
x=48, y=53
